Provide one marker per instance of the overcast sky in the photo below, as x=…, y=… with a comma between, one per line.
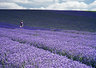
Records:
x=49, y=4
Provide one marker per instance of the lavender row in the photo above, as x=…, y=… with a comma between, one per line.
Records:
x=14, y=54
x=85, y=54
x=64, y=33
x=67, y=40
x=89, y=39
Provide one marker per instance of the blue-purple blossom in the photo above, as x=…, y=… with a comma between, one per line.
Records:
x=32, y=48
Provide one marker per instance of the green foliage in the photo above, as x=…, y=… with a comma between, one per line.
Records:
x=35, y=34
x=23, y=64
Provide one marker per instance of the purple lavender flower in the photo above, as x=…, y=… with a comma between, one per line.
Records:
x=75, y=45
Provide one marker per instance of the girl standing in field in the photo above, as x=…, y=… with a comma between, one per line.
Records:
x=21, y=23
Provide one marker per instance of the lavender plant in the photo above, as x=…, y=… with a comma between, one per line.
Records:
x=80, y=46
x=25, y=56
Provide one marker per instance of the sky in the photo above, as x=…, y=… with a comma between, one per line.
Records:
x=81, y=5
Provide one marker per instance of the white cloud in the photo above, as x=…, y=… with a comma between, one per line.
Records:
x=56, y=1
x=26, y=1
x=16, y=1
x=37, y=3
x=75, y=0
x=48, y=4
x=93, y=4
x=69, y=5
x=93, y=9
x=41, y=8
x=42, y=1
x=4, y=5
x=22, y=1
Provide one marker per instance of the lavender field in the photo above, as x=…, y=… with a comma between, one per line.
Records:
x=23, y=48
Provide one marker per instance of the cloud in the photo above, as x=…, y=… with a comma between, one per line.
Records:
x=25, y=3
x=86, y=1
x=48, y=4
x=42, y=1
x=36, y=3
x=69, y=5
x=92, y=6
x=4, y=5
x=93, y=9
x=15, y=1
x=74, y=0
x=41, y=8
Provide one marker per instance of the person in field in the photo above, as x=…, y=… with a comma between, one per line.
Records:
x=21, y=23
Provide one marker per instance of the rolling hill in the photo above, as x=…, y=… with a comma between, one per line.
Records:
x=68, y=20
